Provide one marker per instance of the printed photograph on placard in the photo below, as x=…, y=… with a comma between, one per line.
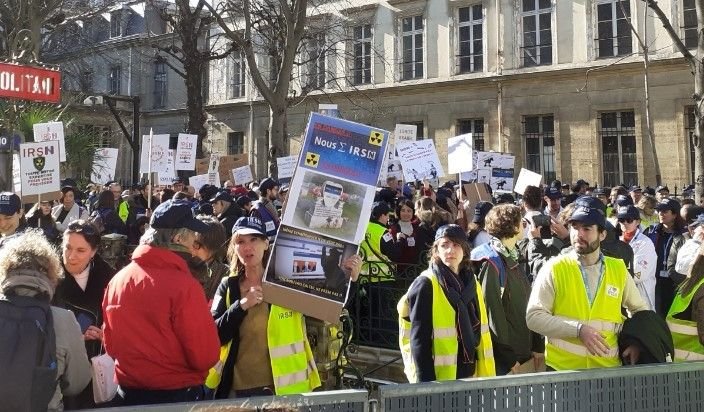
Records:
x=501, y=179
x=329, y=205
x=311, y=263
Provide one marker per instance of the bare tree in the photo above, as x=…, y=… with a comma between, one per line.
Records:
x=696, y=66
x=299, y=54
x=190, y=57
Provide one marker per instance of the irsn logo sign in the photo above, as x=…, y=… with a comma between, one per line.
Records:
x=29, y=83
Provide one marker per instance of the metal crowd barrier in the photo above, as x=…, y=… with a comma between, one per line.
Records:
x=657, y=388
x=339, y=401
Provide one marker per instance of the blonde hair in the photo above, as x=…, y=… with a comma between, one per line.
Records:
x=236, y=267
x=30, y=252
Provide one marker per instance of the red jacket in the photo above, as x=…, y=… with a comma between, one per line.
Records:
x=157, y=324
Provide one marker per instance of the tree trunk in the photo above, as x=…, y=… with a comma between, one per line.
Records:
x=194, y=102
x=277, y=137
x=698, y=131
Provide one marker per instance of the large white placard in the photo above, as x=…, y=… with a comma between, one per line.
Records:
x=198, y=181
x=160, y=154
x=242, y=175
x=16, y=176
x=51, y=131
x=419, y=159
x=459, y=154
x=104, y=165
x=186, y=151
x=527, y=178
x=39, y=167
x=166, y=177
x=286, y=165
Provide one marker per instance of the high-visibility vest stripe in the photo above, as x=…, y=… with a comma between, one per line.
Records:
x=685, y=334
x=580, y=350
x=597, y=324
x=444, y=332
x=286, y=350
x=682, y=329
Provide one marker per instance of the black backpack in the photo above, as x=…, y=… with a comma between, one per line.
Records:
x=27, y=354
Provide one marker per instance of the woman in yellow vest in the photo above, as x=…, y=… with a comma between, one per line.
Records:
x=264, y=349
x=686, y=316
x=443, y=327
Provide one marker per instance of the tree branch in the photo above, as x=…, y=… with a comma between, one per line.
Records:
x=653, y=4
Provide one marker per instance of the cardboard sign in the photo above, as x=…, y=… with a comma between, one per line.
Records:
x=186, y=151
x=527, y=178
x=51, y=131
x=39, y=167
x=242, y=175
x=104, y=165
x=420, y=160
x=286, y=166
x=476, y=192
x=224, y=166
x=459, y=154
x=160, y=154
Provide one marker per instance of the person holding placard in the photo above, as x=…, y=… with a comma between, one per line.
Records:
x=265, y=349
x=39, y=216
x=68, y=210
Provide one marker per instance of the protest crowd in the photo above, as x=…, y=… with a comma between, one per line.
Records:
x=559, y=277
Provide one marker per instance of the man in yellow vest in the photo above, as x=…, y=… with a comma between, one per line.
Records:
x=577, y=298
x=686, y=316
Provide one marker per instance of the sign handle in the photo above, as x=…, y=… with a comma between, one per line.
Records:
x=149, y=169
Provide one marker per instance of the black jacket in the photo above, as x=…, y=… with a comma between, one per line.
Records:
x=230, y=216
x=647, y=330
x=86, y=302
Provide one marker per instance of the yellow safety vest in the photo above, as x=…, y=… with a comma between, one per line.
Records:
x=292, y=363
x=445, y=345
x=123, y=210
x=376, y=265
x=604, y=314
x=684, y=332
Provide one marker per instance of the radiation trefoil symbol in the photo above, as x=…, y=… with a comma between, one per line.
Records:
x=376, y=138
x=312, y=159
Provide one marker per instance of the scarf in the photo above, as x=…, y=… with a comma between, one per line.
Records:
x=463, y=299
x=503, y=250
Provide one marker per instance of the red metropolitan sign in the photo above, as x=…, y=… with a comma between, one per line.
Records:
x=29, y=83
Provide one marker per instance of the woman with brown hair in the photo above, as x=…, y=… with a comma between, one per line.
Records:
x=442, y=320
x=506, y=291
x=39, y=216
x=81, y=291
x=265, y=350
x=68, y=210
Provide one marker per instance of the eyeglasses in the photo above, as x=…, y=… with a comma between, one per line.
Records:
x=85, y=228
x=629, y=220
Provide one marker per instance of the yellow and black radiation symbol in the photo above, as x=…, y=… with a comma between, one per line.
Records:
x=376, y=138
x=312, y=159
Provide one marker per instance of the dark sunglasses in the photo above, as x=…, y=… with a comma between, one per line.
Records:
x=86, y=228
x=629, y=220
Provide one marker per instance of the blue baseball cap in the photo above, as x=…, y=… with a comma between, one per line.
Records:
x=176, y=214
x=249, y=226
x=588, y=210
x=553, y=192
x=452, y=232
x=10, y=203
x=223, y=195
x=628, y=212
x=668, y=204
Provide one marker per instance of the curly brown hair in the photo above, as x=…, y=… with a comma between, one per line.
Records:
x=504, y=221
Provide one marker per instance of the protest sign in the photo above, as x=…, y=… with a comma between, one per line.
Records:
x=242, y=175
x=459, y=154
x=328, y=110
x=16, y=177
x=104, y=165
x=475, y=193
x=198, y=181
x=166, y=177
x=286, y=166
x=51, y=131
x=330, y=198
x=39, y=167
x=186, y=151
x=160, y=154
x=419, y=160
x=492, y=168
x=405, y=132
x=527, y=178
x=224, y=166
